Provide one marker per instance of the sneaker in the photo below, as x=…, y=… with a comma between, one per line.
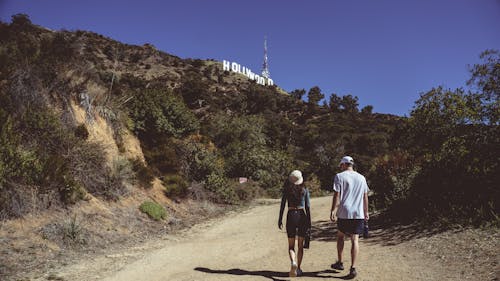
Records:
x=293, y=270
x=299, y=272
x=338, y=265
x=352, y=273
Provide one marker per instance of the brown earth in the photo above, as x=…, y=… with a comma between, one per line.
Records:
x=249, y=246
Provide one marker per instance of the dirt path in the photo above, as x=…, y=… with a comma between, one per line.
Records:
x=249, y=246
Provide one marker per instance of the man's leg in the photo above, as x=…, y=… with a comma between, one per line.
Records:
x=354, y=248
x=340, y=244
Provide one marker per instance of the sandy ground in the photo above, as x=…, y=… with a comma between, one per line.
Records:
x=249, y=246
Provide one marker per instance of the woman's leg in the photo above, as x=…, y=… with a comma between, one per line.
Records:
x=293, y=257
x=291, y=250
x=300, y=252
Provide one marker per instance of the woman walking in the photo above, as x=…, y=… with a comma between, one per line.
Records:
x=298, y=219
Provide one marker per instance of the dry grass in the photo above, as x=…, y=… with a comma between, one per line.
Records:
x=473, y=253
x=32, y=246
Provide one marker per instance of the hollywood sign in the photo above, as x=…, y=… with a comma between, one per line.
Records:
x=238, y=68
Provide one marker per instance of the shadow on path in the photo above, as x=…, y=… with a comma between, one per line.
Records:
x=272, y=275
x=383, y=231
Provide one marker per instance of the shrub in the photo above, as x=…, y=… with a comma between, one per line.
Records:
x=81, y=132
x=175, y=185
x=246, y=191
x=72, y=190
x=198, y=160
x=314, y=185
x=73, y=231
x=161, y=155
x=219, y=185
x=143, y=173
x=153, y=210
x=157, y=112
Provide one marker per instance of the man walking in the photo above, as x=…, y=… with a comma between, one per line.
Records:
x=349, y=210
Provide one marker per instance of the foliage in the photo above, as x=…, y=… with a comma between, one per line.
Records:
x=486, y=79
x=219, y=185
x=450, y=169
x=314, y=95
x=243, y=143
x=81, y=132
x=175, y=185
x=153, y=210
x=143, y=173
x=161, y=155
x=197, y=123
x=73, y=231
x=199, y=159
x=157, y=112
x=246, y=191
x=298, y=93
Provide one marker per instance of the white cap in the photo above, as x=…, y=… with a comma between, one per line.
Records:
x=298, y=175
x=347, y=160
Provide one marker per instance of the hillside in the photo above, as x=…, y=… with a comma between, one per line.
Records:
x=92, y=128
x=165, y=116
x=105, y=145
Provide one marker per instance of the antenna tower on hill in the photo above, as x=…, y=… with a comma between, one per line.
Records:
x=265, y=65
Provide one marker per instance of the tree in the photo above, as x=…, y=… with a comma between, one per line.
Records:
x=158, y=112
x=21, y=20
x=486, y=78
x=436, y=116
x=367, y=110
x=335, y=102
x=350, y=103
x=314, y=95
x=298, y=93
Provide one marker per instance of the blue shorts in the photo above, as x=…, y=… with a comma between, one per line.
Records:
x=351, y=226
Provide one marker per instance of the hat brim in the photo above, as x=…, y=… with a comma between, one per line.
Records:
x=299, y=181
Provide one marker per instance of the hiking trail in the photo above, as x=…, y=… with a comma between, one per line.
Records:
x=249, y=246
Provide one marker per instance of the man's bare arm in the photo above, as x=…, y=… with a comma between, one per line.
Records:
x=365, y=206
x=335, y=206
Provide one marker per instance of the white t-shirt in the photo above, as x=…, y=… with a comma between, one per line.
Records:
x=352, y=187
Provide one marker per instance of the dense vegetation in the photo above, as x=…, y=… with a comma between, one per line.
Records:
x=199, y=124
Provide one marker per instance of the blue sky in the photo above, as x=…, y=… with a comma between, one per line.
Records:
x=386, y=52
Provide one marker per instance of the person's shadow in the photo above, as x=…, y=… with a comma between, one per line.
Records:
x=273, y=275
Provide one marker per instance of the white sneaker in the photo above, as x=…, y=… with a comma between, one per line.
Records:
x=293, y=270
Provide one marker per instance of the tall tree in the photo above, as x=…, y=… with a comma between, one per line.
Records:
x=350, y=103
x=367, y=110
x=314, y=95
x=298, y=93
x=335, y=102
x=486, y=79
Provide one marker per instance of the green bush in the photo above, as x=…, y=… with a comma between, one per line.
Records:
x=72, y=190
x=175, y=185
x=161, y=155
x=157, y=112
x=153, y=210
x=199, y=159
x=143, y=173
x=222, y=189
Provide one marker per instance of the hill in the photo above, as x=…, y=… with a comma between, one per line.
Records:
x=104, y=143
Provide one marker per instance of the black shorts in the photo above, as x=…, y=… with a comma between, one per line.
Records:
x=351, y=226
x=296, y=223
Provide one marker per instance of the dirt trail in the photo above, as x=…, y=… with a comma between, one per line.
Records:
x=249, y=246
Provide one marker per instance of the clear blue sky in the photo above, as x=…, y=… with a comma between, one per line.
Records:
x=386, y=52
